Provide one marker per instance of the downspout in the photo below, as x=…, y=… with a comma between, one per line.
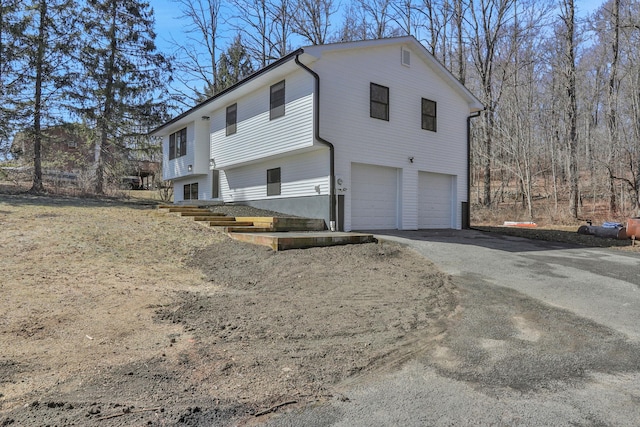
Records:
x=316, y=131
x=467, y=223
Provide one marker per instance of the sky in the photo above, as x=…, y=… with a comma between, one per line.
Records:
x=169, y=26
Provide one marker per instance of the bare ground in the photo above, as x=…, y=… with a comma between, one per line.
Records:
x=112, y=314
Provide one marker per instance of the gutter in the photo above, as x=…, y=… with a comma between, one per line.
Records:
x=316, y=101
x=467, y=223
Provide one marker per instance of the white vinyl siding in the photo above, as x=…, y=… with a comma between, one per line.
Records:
x=256, y=136
x=204, y=188
x=305, y=174
x=346, y=76
x=197, y=153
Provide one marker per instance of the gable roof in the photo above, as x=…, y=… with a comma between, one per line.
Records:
x=315, y=53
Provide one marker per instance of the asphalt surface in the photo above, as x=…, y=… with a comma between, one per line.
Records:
x=547, y=335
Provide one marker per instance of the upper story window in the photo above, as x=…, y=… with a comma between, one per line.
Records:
x=429, y=121
x=276, y=105
x=178, y=144
x=273, y=182
x=232, y=119
x=379, y=102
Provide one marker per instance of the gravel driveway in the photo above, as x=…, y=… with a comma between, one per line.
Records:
x=546, y=335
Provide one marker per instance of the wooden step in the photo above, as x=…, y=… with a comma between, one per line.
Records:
x=229, y=224
x=201, y=213
x=286, y=223
x=243, y=228
x=211, y=218
x=299, y=240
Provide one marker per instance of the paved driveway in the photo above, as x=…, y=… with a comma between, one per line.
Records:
x=547, y=335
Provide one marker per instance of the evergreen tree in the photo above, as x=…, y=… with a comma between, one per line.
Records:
x=12, y=26
x=44, y=67
x=233, y=66
x=123, y=90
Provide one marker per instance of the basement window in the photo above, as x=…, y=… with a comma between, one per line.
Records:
x=273, y=182
x=191, y=191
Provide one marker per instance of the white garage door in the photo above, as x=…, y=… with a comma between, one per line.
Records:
x=374, y=197
x=435, y=200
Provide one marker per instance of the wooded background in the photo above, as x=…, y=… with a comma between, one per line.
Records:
x=560, y=136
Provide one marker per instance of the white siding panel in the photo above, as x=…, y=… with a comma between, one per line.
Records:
x=257, y=137
x=436, y=200
x=305, y=174
x=204, y=188
x=345, y=121
x=374, y=197
x=178, y=167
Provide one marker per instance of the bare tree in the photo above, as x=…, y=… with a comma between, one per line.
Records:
x=571, y=104
x=354, y=25
x=312, y=18
x=487, y=22
x=254, y=23
x=195, y=70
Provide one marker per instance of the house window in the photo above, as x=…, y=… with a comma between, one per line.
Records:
x=273, y=182
x=191, y=191
x=178, y=144
x=429, y=115
x=232, y=119
x=277, y=101
x=379, y=102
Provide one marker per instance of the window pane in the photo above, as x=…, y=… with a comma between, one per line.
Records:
x=172, y=146
x=187, y=192
x=277, y=100
x=379, y=111
x=428, y=107
x=273, y=182
x=428, y=123
x=429, y=115
x=232, y=117
x=379, y=102
x=194, y=191
x=379, y=93
x=183, y=142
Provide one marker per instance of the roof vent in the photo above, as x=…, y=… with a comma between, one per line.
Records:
x=406, y=57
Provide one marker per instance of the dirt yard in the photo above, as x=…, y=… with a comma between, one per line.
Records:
x=113, y=314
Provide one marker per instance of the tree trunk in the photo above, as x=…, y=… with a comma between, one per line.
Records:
x=105, y=119
x=37, y=186
x=572, y=105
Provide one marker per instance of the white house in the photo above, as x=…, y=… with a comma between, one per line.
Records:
x=367, y=135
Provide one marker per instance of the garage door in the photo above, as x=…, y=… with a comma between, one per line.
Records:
x=435, y=200
x=374, y=197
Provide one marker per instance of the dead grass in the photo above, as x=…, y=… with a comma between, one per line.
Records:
x=553, y=224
